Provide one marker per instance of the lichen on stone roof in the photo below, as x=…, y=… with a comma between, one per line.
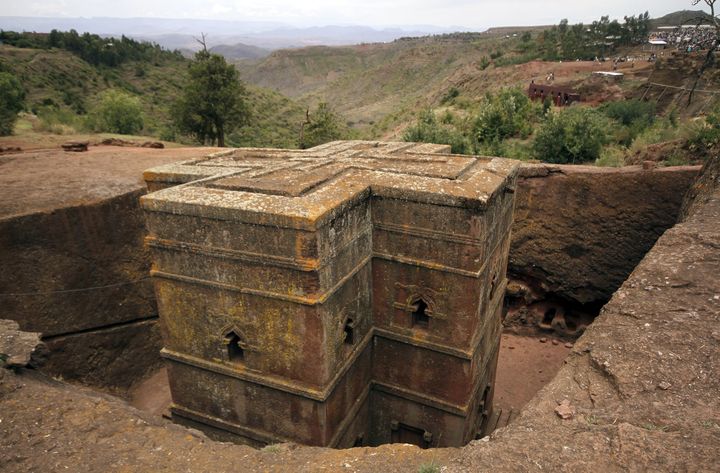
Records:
x=300, y=188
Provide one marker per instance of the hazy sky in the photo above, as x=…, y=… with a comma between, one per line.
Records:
x=470, y=13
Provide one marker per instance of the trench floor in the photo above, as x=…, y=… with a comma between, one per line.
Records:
x=524, y=367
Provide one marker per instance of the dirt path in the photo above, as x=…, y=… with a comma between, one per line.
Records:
x=153, y=394
x=524, y=367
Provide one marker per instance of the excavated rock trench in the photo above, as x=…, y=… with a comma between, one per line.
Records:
x=578, y=233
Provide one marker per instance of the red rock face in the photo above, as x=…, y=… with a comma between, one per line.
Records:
x=345, y=295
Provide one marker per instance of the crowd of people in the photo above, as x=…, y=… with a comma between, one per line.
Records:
x=687, y=39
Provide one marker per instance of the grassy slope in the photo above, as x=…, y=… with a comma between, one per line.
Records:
x=68, y=81
x=380, y=87
x=274, y=121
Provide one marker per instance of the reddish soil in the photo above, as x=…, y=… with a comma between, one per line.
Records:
x=43, y=180
x=569, y=73
x=524, y=367
x=152, y=394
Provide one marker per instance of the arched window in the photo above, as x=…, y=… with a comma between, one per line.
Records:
x=235, y=351
x=420, y=318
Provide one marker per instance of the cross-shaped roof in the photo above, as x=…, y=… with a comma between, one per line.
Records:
x=301, y=188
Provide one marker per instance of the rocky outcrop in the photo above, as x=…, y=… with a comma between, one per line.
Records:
x=78, y=270
x=76, y=146
x=641, y=379
x=703, y=189
x=121, y=142
x=113, y=357
x=580, y=230
x=19, y=349
x=74, y=266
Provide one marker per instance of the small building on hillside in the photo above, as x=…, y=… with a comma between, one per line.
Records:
x=561, y=96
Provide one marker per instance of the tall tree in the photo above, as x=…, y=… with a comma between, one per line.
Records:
x=213, y=101
x=12, y=101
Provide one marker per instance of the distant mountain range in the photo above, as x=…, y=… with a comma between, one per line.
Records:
x=238, y=40
x=239, y=35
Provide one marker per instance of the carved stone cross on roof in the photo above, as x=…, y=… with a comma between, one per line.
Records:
x=312, y=296
x=301, y=187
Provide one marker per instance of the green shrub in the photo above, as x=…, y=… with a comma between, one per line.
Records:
x=503, y=115
x=168, y=133
x=512, y=148
x=705, y=136
x=523, y=58
x=611, y=156
x=572, y=135
x=450, y=95
x=117, y=112
x=635, y=116
x=660, y=132
x=427, y=129
x=324, y=126
x=628, y=112
x=12, y=101
x=676, y=158
x=58, y=121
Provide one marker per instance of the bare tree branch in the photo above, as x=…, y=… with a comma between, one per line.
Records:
x=710, y=56
x=202, y=40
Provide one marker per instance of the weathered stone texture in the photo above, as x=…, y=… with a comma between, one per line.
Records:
x=579, y=230
x=642, y=379
x=51, y=258
x=73, y=260
x=642, y=382
x=352, y=276
x=111, y=357
x=19, y=349
x=703, y=189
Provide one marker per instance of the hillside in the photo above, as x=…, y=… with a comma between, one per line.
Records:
x=369, y=81
x=239, y=51
x=682, y=17
x=379, y=88
x=57, y=79
x=61, y=88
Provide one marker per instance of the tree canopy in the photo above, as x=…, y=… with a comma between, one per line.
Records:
x=503, y=115
x=117, y=112
x=12, y=101
x=322, y=126
x=428, y=129
x=92, y=48
x=579, y=41
x=213, y=101
x=572, y=135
